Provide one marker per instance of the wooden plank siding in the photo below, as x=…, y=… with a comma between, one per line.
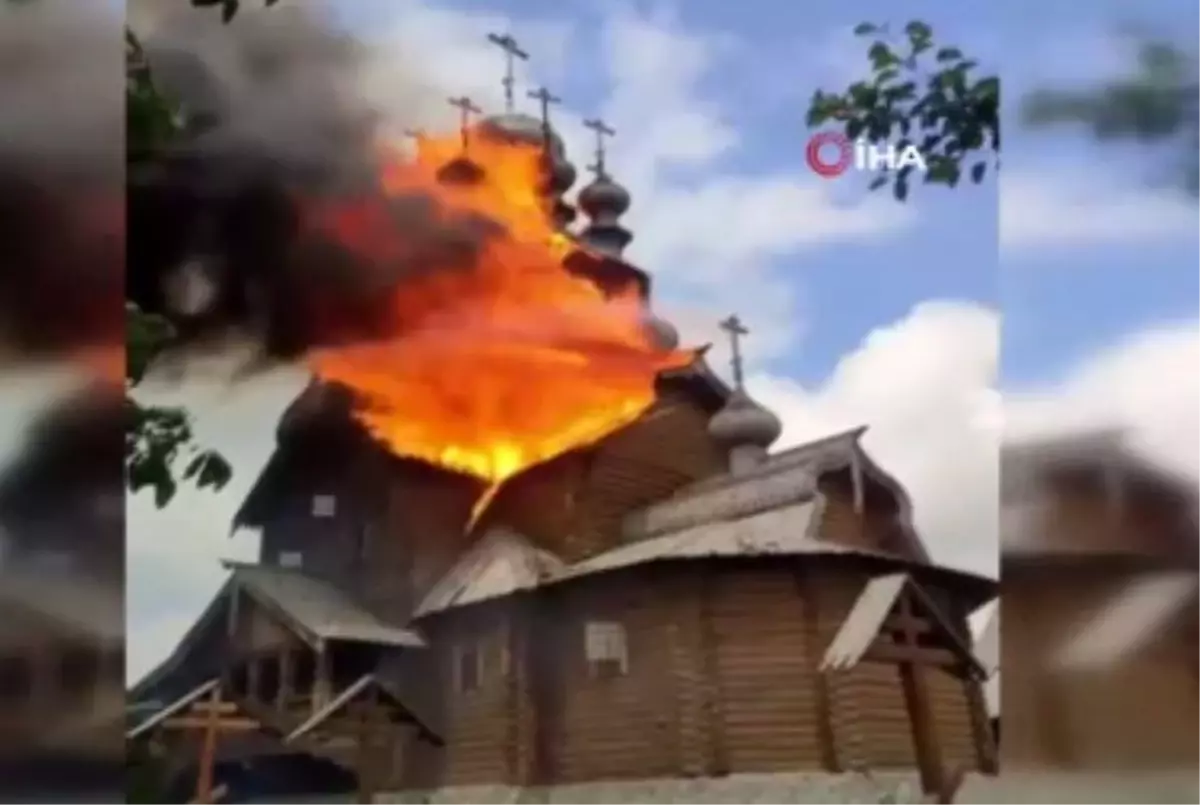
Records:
x=1066, y=719
x=766, y=673
x=644, y=463
x=722, y=678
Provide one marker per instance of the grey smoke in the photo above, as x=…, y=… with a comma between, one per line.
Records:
x=61, y=167
x=279, y=128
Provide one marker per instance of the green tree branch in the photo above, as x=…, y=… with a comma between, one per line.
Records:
x=1157, y=102
x=923, y=95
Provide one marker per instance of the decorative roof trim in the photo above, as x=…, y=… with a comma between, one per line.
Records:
x=870, y=610
x=174, y=707
x=342, y=699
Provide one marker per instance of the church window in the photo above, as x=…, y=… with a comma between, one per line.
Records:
x=291, y=559
x=324, y=506
x=606, y=649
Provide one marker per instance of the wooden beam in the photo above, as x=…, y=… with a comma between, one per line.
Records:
x=920, y=713
x=882, y=650
x=809, y=587
x=287, y=674
x=205, y=707
x=897, y=622
x=202, y=722
x=208, y=750
x=322, y=685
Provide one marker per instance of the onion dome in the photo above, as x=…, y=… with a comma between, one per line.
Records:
x=604, y=201
x=662, y=333
x=743, y=422
x=460, y=171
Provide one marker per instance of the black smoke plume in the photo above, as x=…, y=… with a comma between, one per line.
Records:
x=220, y=226
x=61, y=168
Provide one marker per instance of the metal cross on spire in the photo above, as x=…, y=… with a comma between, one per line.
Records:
x=601, y=128
x=466, y=108
x=542, y=94
x=512, y=51
x=733, y=325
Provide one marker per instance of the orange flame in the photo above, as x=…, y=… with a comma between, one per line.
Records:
x=506, y=360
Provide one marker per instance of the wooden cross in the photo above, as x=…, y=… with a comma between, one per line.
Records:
x=466, y=108
x=916, y=698
x=512, y=51
x=733, y=325
x=601, y=128
x=212, y=717
x=542, y=94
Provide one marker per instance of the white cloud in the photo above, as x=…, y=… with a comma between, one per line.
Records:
x=1148, y=382
x=1066, y=210
x=709, y=236
x=924, y=386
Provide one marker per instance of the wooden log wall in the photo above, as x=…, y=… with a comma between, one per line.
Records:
x=423, y=535
x=1066, y=719
x=722, y=678
x=621, y=726
x=642, y=464
x=477, y=723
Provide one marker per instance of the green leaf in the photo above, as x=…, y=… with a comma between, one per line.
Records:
x=917, y=30
x=878, y=182
x=977, y=172
x=949, y=54
x=881, y=56
x=900, y=188
x=865, y=28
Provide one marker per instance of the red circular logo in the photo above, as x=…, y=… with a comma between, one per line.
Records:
x=829, y=140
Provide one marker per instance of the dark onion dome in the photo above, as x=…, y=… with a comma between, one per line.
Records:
x=604, y=201
x=604, y=197
x=744, y=422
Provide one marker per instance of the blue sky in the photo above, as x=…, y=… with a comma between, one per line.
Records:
x=1060, y=305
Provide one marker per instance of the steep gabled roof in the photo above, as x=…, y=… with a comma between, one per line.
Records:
x=317, y=607
x=501, y=563
x=314, y=609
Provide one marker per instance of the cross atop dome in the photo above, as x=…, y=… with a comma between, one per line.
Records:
x=734, y=327
x=512, y=52
x=466, y=108
x=602, y=129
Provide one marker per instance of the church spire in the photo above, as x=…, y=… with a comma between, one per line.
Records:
x=604, y=201
x=744, y=427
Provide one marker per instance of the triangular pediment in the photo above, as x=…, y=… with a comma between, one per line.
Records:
x=894, y=619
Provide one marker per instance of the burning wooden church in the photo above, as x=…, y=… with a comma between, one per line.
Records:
x=663, y=599
x=1100, y=610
